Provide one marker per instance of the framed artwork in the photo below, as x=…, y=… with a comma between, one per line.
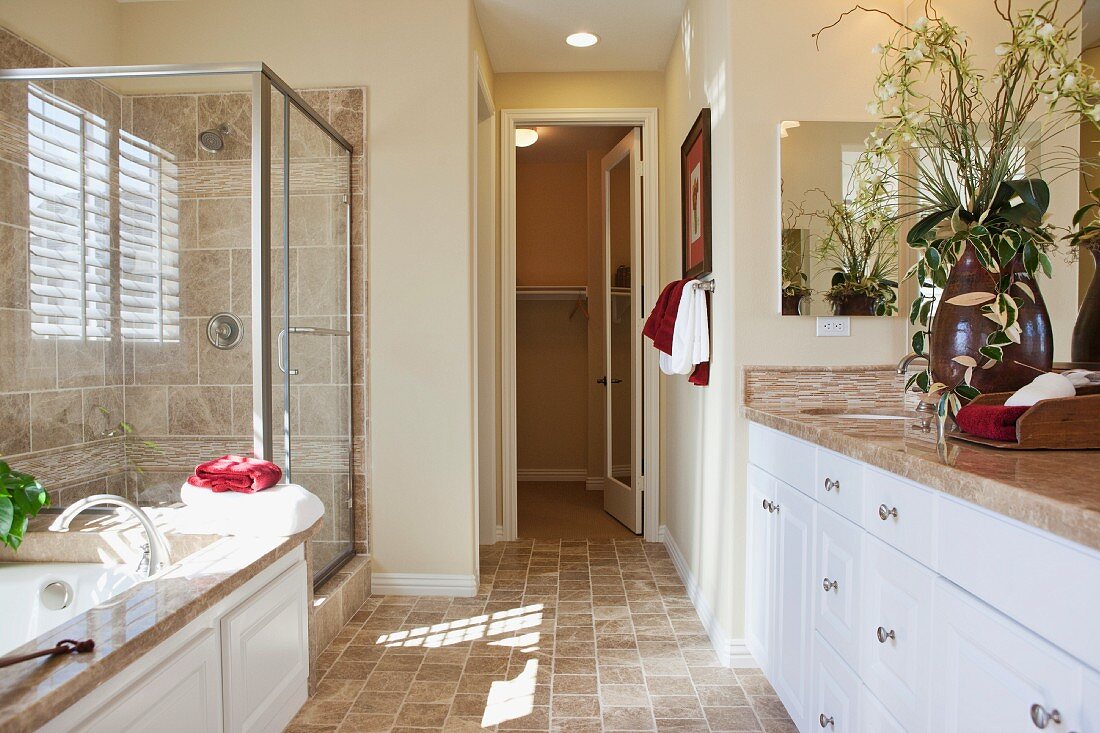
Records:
x=695, y=197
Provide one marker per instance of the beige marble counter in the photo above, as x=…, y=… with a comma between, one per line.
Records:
x=1056, y=491
x=132, y=623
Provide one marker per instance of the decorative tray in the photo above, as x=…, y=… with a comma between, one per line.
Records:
x=1065, y=423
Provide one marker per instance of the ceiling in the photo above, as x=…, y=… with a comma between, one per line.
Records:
x=529, y=35
x=569, y=143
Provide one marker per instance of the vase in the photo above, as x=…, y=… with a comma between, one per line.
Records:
x=1086, y=332
x=792, y=305
x=962, y=330
x=855, y=305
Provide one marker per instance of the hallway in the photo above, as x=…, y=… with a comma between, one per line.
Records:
x=565, y=510
x=594, y=635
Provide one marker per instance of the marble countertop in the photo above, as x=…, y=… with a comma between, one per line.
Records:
x=131, y=623
x=1056, y=491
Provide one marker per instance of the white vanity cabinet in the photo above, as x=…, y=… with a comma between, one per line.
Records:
x=241, y=666
x=881, y=606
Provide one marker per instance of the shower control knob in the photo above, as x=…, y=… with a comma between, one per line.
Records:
x=224, y=331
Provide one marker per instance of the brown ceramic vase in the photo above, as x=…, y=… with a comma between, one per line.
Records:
x=962, y=330
x=1086, y=332
x=792, y=305
x=855, y=305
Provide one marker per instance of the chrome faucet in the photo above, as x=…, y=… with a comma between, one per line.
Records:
x=903, y=365
x=154, y=557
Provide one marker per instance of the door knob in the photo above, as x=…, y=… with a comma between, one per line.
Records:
x=829, y=585
x=831, y=485
x=883, y=635
x=603, y=381
x=885, y=512
x=823, y=721
x=1041, y=717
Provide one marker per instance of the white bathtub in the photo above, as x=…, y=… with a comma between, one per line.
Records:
x=25, y=613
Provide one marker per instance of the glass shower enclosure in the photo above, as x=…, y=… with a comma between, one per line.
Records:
x=176, y=283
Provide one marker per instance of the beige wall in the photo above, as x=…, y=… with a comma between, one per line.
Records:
x=418, y=71
x=1090, y=149
x=592, y=89
x=79, y=32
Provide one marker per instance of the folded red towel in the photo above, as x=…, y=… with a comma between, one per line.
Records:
x=243, y=474
x=995, y=422
x=700, y=377
x=662, y=320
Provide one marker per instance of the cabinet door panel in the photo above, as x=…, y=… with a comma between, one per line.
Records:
x=835, y=704
x=761, y=566
x=991, y=671
x=793, y=650
x=897, y=626
x=873, y=718
x=837, y=587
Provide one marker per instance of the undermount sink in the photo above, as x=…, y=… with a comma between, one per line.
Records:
x=870, y=414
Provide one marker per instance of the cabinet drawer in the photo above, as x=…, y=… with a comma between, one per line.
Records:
x=788, y=459
x=1047, y=584
x=896, y=634
x=991, y=672
x=834, y=704
x=838, y=484
x=873, y=718
x=837, y=584
x=899, y=513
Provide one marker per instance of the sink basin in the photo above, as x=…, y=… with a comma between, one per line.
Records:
x=899, y=413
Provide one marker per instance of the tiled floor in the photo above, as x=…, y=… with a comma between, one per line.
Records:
x=565, y=635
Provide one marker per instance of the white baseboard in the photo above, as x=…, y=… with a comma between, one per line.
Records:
x=551, y=474
x=594, y=483
x=423, y=584
x=731, y=652
x=499, y=536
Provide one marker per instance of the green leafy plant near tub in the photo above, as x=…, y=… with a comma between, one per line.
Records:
x=21, y=498
x=961, y=154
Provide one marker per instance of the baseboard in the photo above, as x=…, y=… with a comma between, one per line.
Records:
x=551, y=474
x=499, y=536
x=423, y=584
x=594, y=484
x=731, y=652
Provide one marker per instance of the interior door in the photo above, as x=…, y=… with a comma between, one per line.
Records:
x=622, y=214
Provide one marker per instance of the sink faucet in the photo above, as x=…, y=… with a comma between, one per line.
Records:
x=154, y=557
x=903, y=365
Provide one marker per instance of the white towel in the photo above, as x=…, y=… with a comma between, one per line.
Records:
x=280, y=511
x=1043, y=387
x=690, y=335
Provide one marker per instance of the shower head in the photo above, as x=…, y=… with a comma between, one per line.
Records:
x=213, y=140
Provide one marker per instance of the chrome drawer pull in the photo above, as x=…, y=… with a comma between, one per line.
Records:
x=885, y=512
x=831, y=485
x=771, y=506
x=1042, y=717
x=824, y=722
x=884, y=635
x=828, y=585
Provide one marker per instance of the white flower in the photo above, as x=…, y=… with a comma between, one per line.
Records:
x=915, y=53
x=1046, y=31
x=1094, y=113
x=1002, y=49
x=1068, y=82
x=920, y=24
x=878, y=50
x=873, y=108
x=1094, y=88
x=1049, y=97
x=887, y=91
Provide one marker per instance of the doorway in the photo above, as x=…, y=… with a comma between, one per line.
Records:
x=578, y=401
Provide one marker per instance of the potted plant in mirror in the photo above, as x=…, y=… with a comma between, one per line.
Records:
x=795, y=282
x=961, y=153
x=1086, y=331
x=21, y=498
x=795, y=293
x=860, y=248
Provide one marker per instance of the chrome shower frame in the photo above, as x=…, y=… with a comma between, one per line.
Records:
x=263, y=79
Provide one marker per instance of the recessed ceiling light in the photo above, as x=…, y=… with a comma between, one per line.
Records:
x=526, y=137
x=582, y=40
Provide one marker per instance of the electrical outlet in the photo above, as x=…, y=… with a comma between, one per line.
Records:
x=834, y=326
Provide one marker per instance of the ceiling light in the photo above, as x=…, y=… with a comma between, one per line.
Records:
x=582, y=40
x=525, y=137
x=787, y=125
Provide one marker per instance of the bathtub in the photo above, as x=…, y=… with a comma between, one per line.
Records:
x=39, y=596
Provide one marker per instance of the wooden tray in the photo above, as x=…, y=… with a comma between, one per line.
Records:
x=1067, y=423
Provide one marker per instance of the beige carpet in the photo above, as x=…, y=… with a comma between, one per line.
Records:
x=565, y=511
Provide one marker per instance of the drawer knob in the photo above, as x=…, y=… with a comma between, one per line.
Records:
x=883, y=635
x=1042, y=717
x=885, y=512
x=771, y=506
x=824, y=722
x=831, y=485
x=828, y=585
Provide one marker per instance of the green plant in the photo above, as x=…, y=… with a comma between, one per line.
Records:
x=21, y=498
x=795, y=281
x=1087, y=235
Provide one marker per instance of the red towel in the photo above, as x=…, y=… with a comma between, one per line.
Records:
x=700, y=377
x=995, y=422
x=243, y=474
x=662, y=320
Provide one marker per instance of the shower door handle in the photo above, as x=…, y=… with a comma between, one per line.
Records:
x=302, y=331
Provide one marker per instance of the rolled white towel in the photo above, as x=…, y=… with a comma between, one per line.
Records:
x=1043, y=387
x=280, y=511
x=1082, y=377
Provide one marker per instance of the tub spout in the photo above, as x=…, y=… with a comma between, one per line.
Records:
x=155, y=556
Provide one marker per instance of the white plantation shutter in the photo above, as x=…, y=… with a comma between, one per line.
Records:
x=148, y=241
x=68, y=159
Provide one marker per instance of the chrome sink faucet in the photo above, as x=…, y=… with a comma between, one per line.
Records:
x=155, y=556
x=903, y=365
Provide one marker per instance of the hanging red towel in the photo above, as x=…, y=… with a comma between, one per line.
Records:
x=700, y=377
x=243, y=474
x=995, y=422
x=662, y=320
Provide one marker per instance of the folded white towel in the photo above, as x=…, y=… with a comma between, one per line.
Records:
x=280, y=511
x=1082, y=377
x=1043, y=387
x=690, y=335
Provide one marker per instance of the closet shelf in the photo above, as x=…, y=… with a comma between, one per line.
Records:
x=551, y=292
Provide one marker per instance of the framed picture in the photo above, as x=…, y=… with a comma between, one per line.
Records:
x=695, y=197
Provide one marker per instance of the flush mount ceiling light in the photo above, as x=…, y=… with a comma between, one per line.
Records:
x=787, y=125
x=526, y=137
x=582, y=40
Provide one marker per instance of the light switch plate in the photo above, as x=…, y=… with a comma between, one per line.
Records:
x=834, y=326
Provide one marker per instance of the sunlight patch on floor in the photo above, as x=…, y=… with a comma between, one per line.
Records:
x=511, y=699
x=467, y=629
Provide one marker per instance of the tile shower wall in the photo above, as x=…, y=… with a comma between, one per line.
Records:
x=190, y=399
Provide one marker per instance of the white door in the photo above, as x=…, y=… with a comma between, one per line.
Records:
x=622, y=214
x=793, y=610
x=760, y=570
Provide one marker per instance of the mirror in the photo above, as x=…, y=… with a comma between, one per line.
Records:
x=834, y=259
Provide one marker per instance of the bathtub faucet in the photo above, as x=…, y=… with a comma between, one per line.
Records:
x=155, y=555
